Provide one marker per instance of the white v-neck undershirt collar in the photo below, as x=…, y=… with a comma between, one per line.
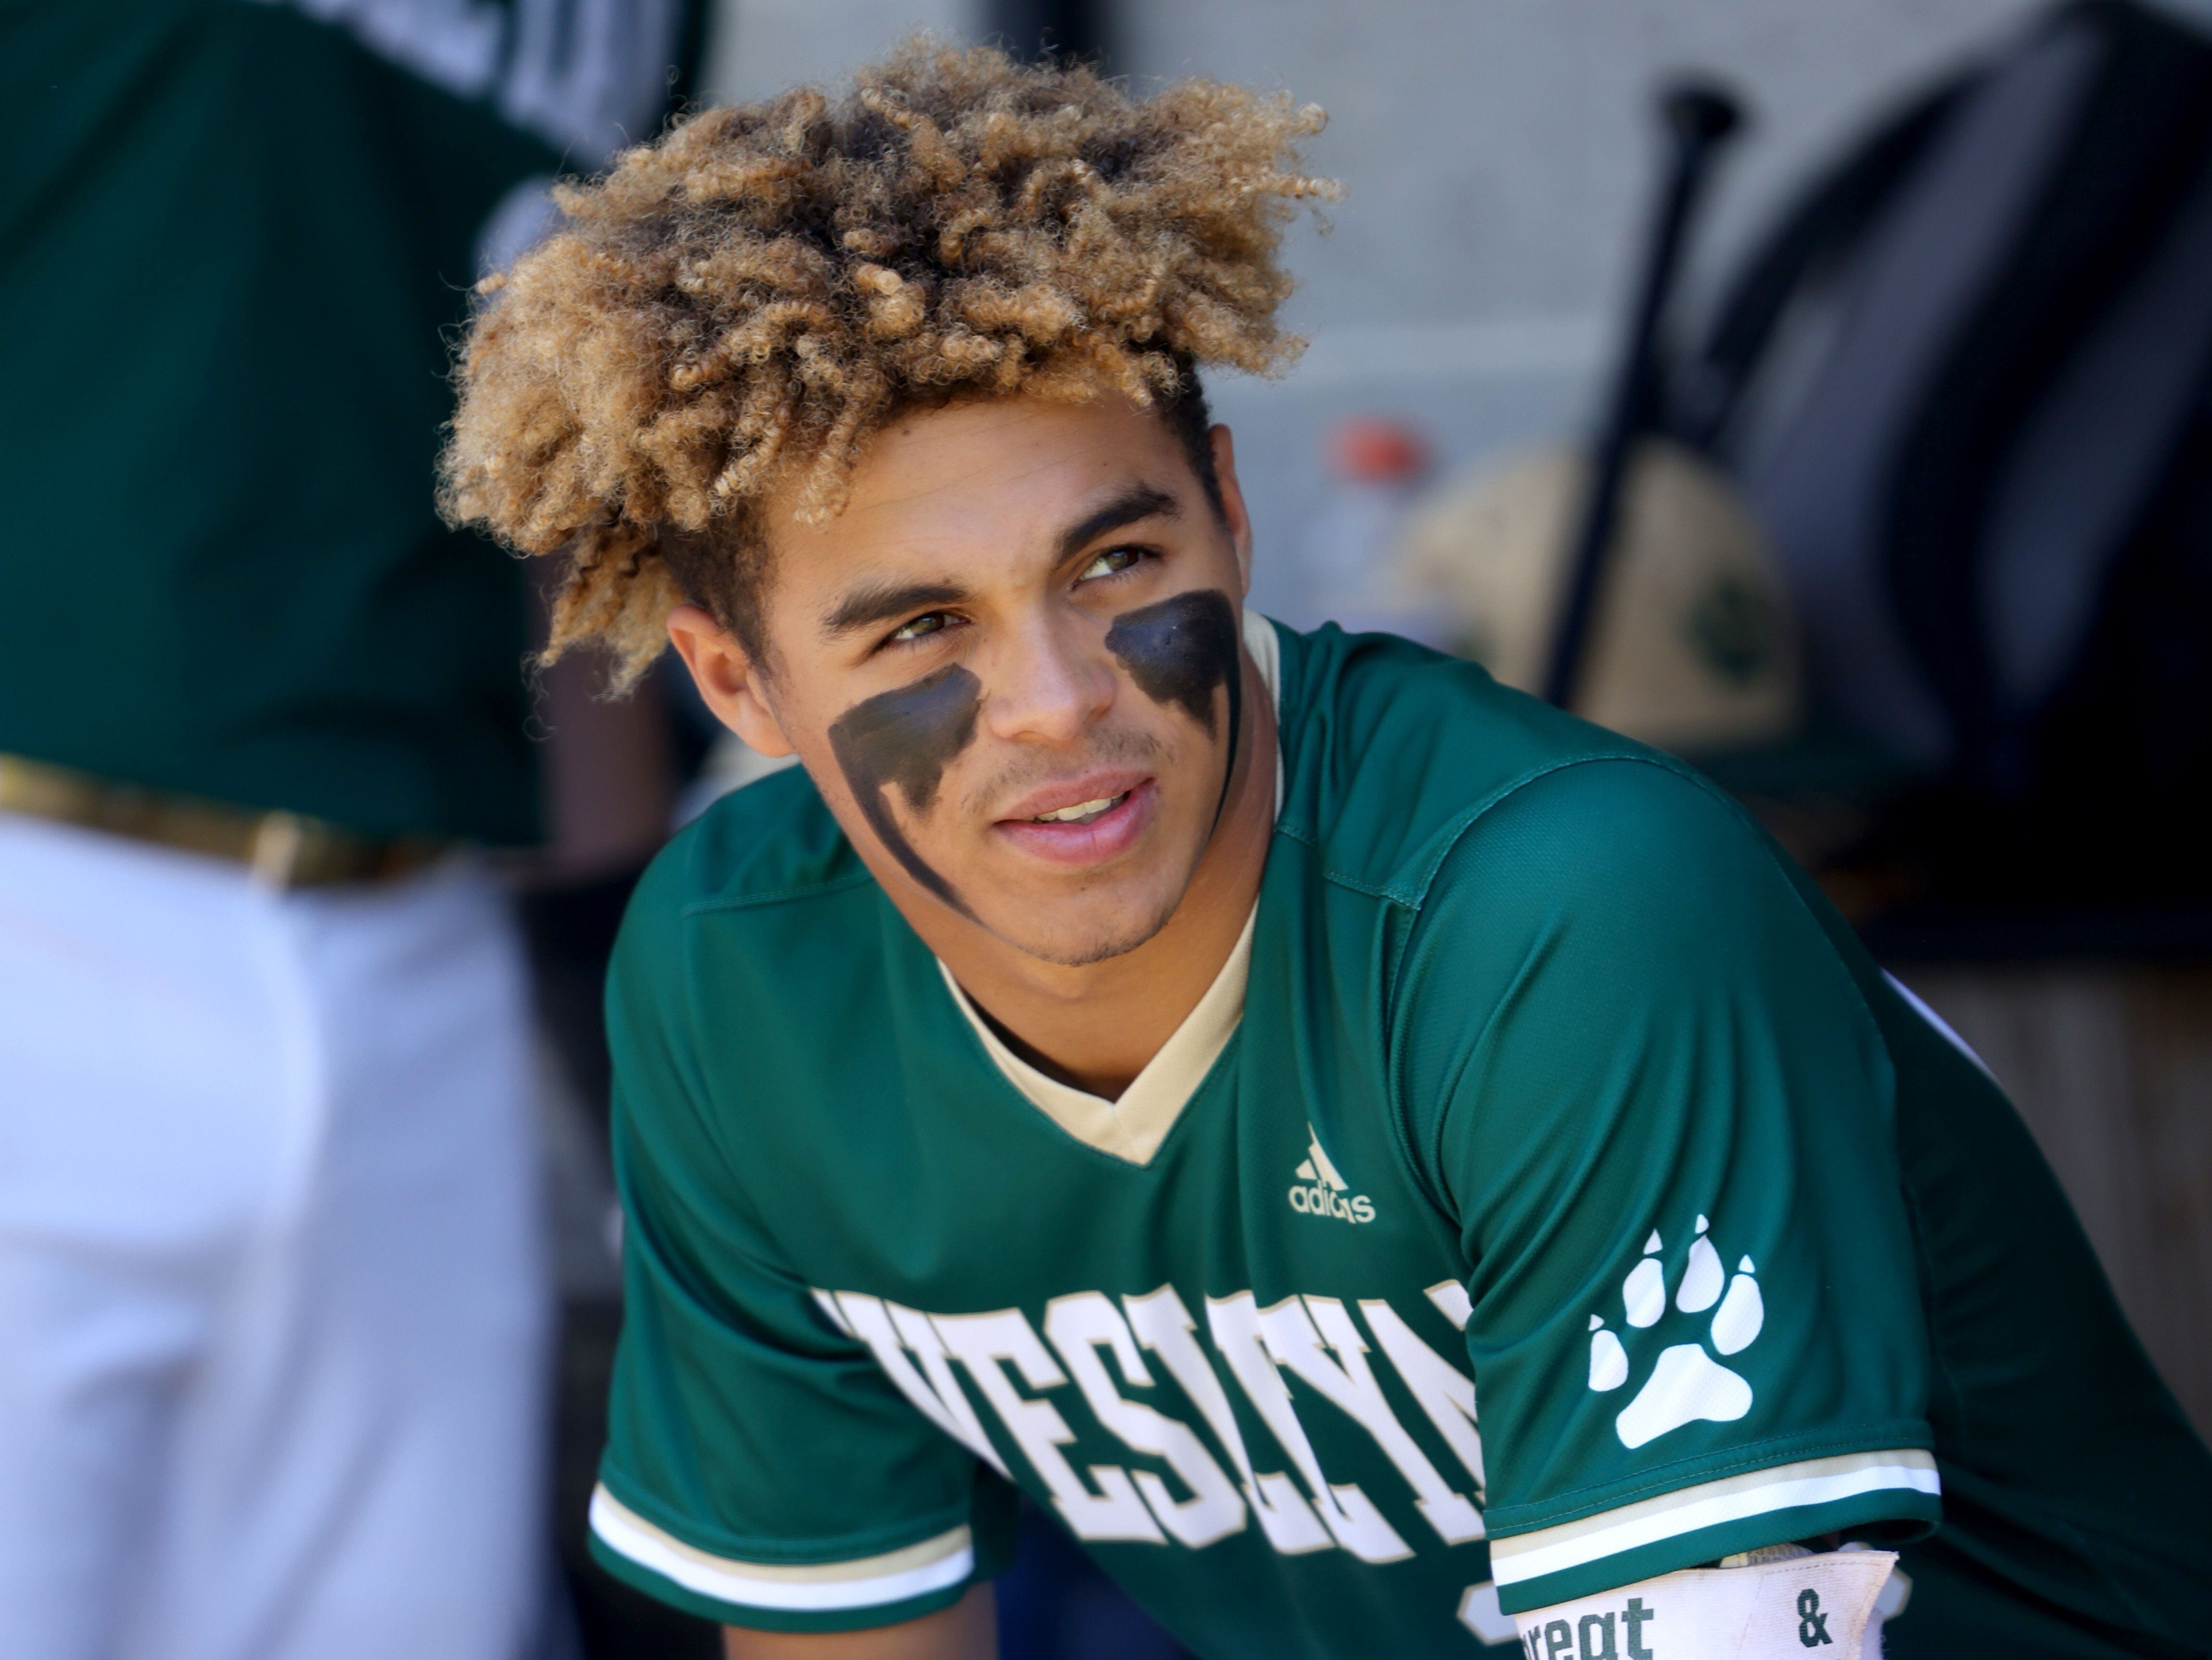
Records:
x=1134, y=1127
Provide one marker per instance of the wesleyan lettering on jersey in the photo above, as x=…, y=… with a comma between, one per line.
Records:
x=1317, y=1340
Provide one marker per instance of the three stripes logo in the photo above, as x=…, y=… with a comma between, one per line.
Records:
x=1322, y=1191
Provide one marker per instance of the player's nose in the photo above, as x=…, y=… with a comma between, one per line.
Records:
x=1050, y=680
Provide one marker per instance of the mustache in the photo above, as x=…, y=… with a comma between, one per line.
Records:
x=1115, y=746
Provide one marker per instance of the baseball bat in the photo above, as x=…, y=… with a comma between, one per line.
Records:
x=1697, y=117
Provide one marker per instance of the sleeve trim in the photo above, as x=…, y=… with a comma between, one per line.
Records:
x=865, y=1582
x=1690, y=1510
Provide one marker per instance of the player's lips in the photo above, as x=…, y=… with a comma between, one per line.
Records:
x=1082, y=821
x=1073, y=798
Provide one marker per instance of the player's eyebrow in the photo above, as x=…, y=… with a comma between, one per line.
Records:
x=879, y=602
x=1138, y=501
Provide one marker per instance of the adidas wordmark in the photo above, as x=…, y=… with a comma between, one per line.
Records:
x=1322, y=1190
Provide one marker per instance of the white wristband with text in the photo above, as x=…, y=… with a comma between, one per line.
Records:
x=1786, y=1610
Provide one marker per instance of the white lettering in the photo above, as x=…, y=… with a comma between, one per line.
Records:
x=1236, y=1323
x=1078, y=1327
x=982, y=1341
x=836, y=1316
x=1289, y=1331
x=941, y=1400
x=1452, y=1302
x=1163, y=1325
x=1321, y=1200
x=1440, y=1390
x=1313, y=1338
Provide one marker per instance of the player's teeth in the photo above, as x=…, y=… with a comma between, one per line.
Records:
x=1082, y=809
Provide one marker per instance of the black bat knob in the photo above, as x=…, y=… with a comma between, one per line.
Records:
x=1699, y=112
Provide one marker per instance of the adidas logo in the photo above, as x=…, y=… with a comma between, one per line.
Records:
x=1324, y=1194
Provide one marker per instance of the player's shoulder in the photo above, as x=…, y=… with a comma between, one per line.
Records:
x=772, y=850
x=1401, y=761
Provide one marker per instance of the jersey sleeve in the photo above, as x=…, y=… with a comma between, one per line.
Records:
x=760, y=1470
x=1644, y=1085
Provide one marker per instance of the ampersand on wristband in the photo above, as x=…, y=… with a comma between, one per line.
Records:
x=1812, y=1624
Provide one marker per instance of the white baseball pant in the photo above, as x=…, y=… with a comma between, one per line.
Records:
x=273, y=1313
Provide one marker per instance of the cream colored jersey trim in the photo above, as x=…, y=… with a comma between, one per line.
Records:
x=1267, y=649
x=1134, y=1127
x=865, y=1582
x=1785, y=1486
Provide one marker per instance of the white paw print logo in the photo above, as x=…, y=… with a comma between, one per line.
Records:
x=1686, y=1384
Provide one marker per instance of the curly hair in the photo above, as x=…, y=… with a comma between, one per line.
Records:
x=738, y=306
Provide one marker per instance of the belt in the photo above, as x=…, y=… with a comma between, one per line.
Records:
x=283, y=849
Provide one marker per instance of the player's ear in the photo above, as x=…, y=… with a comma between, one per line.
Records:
x=1232, y=503
x=728, y=678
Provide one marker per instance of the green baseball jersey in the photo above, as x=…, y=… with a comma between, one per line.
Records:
x=1549, y=1195
x=237, y=239
x=246, y=236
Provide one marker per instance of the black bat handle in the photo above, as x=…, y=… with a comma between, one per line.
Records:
x=1697, y=118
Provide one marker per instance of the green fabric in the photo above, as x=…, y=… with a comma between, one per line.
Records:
x=230, y=239
x=1537, y=998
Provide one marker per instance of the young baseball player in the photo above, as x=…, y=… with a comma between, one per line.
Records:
x=1383, y=1162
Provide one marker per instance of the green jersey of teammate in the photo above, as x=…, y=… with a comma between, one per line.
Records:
x=1549, y=1194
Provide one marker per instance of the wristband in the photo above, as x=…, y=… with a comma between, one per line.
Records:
x=1781, y=1610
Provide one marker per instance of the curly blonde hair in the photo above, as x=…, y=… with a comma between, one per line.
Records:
x=741, y=304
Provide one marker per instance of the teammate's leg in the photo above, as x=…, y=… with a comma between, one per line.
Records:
x=359, y=1469
x=141, y=1116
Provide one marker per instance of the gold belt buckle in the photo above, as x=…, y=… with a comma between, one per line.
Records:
x=274, y=855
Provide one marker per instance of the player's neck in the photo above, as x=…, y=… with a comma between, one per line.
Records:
x=1096, y=1026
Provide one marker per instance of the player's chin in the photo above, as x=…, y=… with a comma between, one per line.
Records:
x=1078, y=943
x=1085, y=922
x=1080, y=893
